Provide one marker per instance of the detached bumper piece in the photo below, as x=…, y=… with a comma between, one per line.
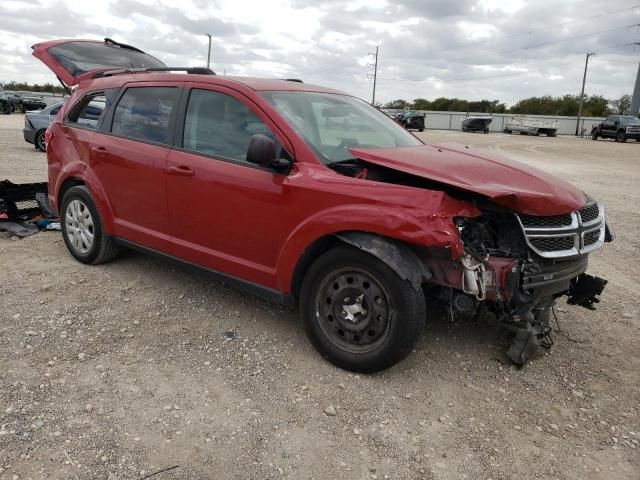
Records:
x=585, y=291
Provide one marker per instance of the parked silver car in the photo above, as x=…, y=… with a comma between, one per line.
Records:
x=35, y=124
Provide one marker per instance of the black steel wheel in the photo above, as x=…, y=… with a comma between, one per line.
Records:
x=358, y=313
x=40, y=145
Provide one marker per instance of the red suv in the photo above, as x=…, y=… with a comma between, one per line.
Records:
x=309, y=196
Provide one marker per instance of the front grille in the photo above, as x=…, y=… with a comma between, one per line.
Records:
x=589, y=213
x=553, y=244
x=565, y=235
x=531, y=221
x=591, y=237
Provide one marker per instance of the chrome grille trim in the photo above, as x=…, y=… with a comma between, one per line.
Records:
x=594, y=215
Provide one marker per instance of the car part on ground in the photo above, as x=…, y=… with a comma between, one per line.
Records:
x=618, y=127
x=531, y=126
x=24, y=208
x=476, y=124
x=323, y=201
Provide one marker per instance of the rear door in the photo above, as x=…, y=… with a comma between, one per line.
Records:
x=608, y=126
x=73, y=60
x=129, y=157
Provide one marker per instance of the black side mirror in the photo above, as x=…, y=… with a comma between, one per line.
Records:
x=262, y=151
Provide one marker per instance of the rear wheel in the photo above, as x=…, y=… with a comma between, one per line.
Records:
x=40, y=145
x=358, y=313
x=82, y=228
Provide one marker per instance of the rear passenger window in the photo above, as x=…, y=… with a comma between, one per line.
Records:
x=144, y=113
x=219, y=125
x=91, y=109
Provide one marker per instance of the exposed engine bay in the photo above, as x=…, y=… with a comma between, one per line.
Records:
x=514, y=266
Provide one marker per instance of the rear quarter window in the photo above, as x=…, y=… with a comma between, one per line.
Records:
x=91, y=109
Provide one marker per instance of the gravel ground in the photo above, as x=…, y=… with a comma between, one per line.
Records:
x=121, y=370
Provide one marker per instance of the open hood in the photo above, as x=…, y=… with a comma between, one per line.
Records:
x=75, y=60
x=508, y=183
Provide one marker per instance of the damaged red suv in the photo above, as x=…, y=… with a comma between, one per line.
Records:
x=306, y=195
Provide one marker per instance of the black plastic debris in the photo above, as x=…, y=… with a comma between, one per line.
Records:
x=25, y=208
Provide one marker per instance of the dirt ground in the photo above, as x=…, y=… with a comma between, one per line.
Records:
x=124, y=369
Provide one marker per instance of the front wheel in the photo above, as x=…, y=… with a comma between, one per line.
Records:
x=621, y=137
x=82, y=228
x=594, y=135
x=358, y=313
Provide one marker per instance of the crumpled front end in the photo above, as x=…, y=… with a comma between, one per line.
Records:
x=517, y=266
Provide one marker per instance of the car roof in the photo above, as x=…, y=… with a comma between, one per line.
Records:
x=252, y=83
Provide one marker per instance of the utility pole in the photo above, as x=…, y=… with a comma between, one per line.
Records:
x=375, y=75
x=209, y=51
x=584, y=80
x=635, y=100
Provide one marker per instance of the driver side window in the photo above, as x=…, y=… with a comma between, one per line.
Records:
x=219, y=125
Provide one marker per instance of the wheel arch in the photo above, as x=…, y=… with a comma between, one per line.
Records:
x=399, y=256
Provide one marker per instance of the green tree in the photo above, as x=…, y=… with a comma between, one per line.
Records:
x=621, y=106
x=399, y=104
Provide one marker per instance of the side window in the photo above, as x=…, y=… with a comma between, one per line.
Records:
x=144, y=113
x=91, y=109
x=55, y=111
x=218, y=124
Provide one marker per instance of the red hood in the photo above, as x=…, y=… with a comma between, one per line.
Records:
x=511, y=184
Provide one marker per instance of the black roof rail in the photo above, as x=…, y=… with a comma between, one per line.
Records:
x=293, y=80
x=189, y=70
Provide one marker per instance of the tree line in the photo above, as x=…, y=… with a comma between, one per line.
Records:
x=567, y=105
x=26, y=87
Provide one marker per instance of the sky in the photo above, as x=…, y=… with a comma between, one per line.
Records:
x=470, y=49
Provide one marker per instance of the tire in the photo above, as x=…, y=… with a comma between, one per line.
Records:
x=485, y=131
x=79, y=215
x=39, y=141
x=421, y=129
x=594, y=135
x=621, y=137
x=507, y=131
x=391, y=319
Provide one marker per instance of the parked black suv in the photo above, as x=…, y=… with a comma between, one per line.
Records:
x=27, y=104
x=411, y=120
x=618, y=127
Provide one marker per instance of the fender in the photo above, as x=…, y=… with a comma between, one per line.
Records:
x=79, y=170
x=397, y=255
x=400, y=225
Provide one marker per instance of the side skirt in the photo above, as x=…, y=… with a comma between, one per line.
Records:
x=249, y=287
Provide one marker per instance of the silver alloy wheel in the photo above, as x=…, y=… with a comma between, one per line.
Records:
x=79, y=226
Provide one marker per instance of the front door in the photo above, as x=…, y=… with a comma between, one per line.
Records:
x=225, y=213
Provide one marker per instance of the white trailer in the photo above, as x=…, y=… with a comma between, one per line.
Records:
x=531, y=126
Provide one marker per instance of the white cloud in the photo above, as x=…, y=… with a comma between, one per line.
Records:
x=428, y=48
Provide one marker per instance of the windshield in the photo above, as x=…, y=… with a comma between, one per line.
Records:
x=331, y=123
x=630, y=119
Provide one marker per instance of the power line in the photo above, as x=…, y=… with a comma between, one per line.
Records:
x=531, y=47
x=519, y=34
x=503, y=75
